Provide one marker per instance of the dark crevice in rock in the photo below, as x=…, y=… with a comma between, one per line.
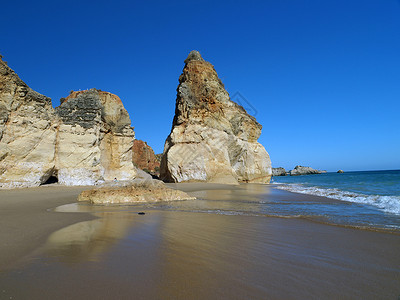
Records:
x=51, y=180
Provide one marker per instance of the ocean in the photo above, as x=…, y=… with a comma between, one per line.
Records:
x=366, y=198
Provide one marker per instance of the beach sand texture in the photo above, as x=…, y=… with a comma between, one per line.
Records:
x=79, y=251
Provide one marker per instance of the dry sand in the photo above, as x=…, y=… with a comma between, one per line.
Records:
x=185, y=255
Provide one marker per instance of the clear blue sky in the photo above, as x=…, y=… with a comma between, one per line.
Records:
x=323, y=76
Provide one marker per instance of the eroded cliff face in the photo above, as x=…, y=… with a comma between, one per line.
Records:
x=95, y=139
x=86, y=140
x=144, y=158
x=212, y=138
x=27, y=133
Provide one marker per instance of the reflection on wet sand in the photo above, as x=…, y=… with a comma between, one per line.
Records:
x=86, y=241
x=191, y=255
x=202, y=258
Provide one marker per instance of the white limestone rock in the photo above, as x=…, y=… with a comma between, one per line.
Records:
x=85, y=141
x=27, y=133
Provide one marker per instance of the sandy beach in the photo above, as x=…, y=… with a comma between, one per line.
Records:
x=78, y=251
x=26, y=222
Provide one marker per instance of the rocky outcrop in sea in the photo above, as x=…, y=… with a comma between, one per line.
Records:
x=213, y=139
x=300, y=170
x=279, y=172
x=86, y=140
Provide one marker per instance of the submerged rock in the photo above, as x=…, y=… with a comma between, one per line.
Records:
x=86, y=140
x=300, y=170
x=133, y=192
x=212, y=139
x=278, y=171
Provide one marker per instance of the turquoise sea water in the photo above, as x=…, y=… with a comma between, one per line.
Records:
x=375, y=194
x=378, y=188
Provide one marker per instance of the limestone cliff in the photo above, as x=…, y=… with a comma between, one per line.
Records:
x=27, y=133
x=86, y=140
x=212, y=139
x=95, y=139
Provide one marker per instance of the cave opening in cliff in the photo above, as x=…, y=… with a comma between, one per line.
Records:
x=52, y=179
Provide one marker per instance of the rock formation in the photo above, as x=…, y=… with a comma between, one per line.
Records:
x=212, y=139
x=27, y=133
x=278, y=172
x=159, y=157
x=138, y=191
x=340, y=171
x=95, y=139
x=144, y=158
x=84, y=141
x=300, y=170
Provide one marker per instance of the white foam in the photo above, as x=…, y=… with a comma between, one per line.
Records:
x=390, y=204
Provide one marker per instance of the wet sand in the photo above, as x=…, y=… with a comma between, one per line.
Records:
x=114, y=253
x=26, y=223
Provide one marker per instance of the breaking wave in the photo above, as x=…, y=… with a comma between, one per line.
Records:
x=389, y=204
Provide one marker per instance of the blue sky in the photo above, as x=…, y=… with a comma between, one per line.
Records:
x=323, y=76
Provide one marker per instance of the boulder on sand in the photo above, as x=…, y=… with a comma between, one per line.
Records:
x=278, y=171
x=138, y=191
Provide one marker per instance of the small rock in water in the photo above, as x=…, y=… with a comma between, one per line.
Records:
x=141, y=213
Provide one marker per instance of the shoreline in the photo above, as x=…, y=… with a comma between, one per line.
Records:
x=20, y=208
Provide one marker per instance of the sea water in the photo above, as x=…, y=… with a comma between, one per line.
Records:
x=376, y=188
x=376, y=194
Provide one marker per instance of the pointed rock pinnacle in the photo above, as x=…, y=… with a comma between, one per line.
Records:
x=194, y=55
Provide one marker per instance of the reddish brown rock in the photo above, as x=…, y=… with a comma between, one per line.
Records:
x=144, y=158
